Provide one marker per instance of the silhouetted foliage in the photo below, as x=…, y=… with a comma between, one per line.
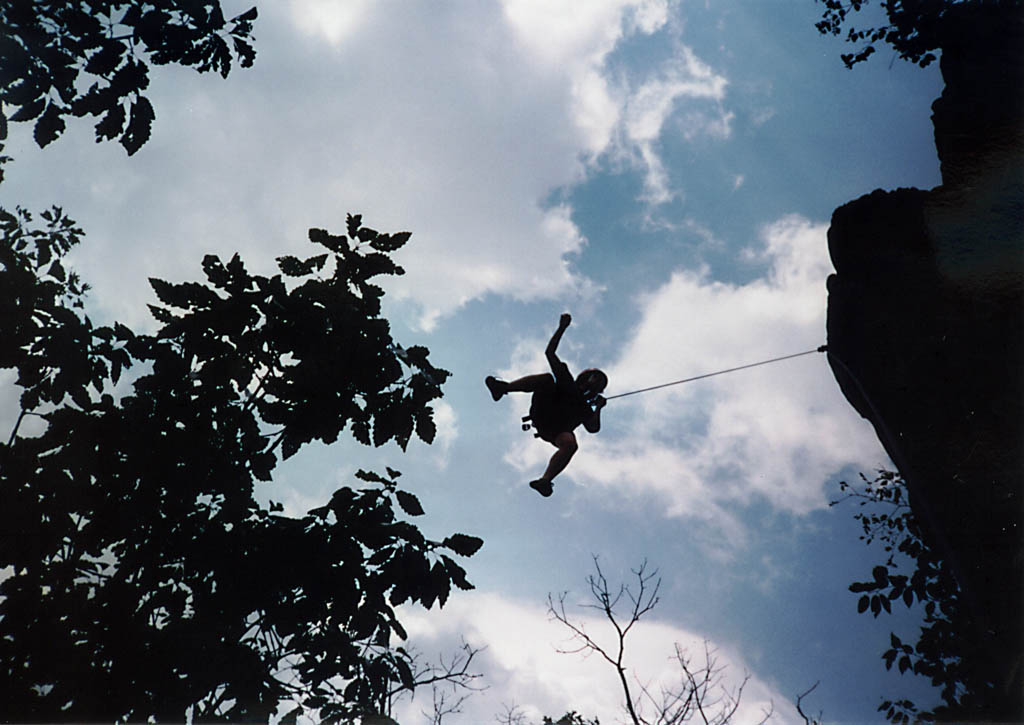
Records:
x=946, y=650
x=571, y=718
x=141, y=576
x=513, y=715
x=916, y=29
x=90, y=58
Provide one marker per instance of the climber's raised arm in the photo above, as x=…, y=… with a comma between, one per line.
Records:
x=563, y=323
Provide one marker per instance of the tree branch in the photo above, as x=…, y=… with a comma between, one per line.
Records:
x=799, y=706
x=700, y=692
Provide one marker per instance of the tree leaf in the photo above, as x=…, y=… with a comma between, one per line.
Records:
x=29, y=110
x=140, y=125
x=426, y=429
x=334, y=243
x=366, y=234
x=390, y=242
x=889, y=657
x=49, y=126
x=106, y=59
x=371, y=477
x=81, y=398
x=457, y=574
x=463, y=544
x=354, y=221
x=248, y=16
x=112, y=123
x=57, y=271
x=289, y=446
x=361, y=431
x=440, y=582
x=409, y=503
x=291, y=266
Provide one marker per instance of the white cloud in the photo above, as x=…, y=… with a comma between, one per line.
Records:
x=649, y=106
x=653, y=101
x=455, y=122
x=333, y=20
x=570, y=42
x=523, y=667
x=447, y=431
x=463, y=147
x=771, y=434
x=558, y=34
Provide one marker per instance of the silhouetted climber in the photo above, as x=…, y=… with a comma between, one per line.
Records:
x=560, y=404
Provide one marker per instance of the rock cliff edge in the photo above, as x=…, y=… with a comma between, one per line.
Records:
x=926, y=331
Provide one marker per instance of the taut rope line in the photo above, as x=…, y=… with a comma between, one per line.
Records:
x=823, y=348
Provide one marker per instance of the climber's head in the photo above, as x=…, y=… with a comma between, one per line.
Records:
x=591, y=382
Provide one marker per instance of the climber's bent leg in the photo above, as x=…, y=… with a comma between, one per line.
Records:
x=567, y=447
x=528, y=384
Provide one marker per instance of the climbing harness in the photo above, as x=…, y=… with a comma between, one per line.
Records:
x=527, y=421
x=823, y=348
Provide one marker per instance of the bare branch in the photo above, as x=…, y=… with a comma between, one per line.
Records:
x=587, y=645
x=455, y=672
x=512, y=716
x=643, y=597
x=14, y=431
x=443, y=707
x=699, y=696
x=451, y=682
x=799, y=706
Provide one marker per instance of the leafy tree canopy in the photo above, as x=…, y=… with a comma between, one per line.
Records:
x=90, y=58
x=947, y=650
x=916, y=29
x=142, y=578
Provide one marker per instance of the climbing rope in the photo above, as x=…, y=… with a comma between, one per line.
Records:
x=823, y=348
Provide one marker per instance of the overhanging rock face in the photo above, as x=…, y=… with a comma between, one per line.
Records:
x=926, y=330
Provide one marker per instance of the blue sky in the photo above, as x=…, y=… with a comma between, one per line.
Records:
x=665, y=171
